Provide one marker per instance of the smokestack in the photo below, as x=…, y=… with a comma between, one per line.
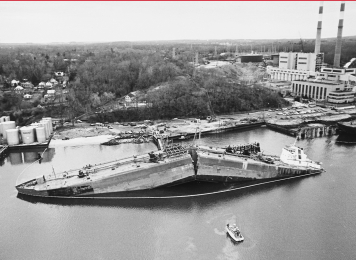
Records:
x=318, y=30
x=339, y=36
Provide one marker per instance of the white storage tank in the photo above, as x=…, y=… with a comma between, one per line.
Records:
x=1, y=128
x=41, y=134
x=51, y=123
x=27, y=135
x=7, y=125
x=47, y=122
x=12, y=136
x=46, y=126
x=7, y=118
x=2, y=119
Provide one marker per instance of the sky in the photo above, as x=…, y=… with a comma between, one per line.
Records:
x=70, y=21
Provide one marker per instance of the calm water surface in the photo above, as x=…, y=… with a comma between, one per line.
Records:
x=308, y=218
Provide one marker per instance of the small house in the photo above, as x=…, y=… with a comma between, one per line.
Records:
x=27, y=96
x=18, y=90
x=49, y=85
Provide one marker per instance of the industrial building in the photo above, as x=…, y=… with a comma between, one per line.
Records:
x=308, y=74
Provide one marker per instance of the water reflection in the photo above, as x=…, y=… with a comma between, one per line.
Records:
x=30, y=156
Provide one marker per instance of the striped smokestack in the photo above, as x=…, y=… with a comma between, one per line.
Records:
x=318, y=30
x=339, y=36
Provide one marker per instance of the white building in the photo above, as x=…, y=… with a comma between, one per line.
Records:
x=318, y=90
x=340, y=97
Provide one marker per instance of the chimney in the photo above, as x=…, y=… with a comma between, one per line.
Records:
x=339, y=36
x=318, y=30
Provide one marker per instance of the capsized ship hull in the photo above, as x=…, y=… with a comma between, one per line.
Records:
x=142, y=173
x=217, y=166
x=131, y=175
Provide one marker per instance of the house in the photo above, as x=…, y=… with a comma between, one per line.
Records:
x=59, y=74
x=41, y=85
x=130, y=98
x=51, y=92
x=27, y=96
x=14, y=83
x=54, y=82
x=18, y=90
x=27, y=85
x=49, y=85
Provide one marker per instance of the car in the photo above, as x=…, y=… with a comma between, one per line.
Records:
x=92, y=124
x=79, y=121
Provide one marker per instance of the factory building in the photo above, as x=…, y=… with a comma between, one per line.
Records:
x=309, y=76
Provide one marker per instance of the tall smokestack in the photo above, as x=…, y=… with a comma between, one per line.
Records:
x=318, y=30
x=339, y=36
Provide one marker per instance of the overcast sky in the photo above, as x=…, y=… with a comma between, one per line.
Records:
x=42, y=22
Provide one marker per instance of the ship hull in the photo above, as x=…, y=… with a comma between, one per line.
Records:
x=177, y=171
x=140, y=179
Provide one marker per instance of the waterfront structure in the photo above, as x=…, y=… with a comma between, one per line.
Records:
x=315, y=89
x=329, y=80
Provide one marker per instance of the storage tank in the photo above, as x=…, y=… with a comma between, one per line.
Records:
x=51, y=123
x=46, y=126
x=7, y=125
x=27, y=135
x=41, y=134
x=7, y=118
x=2, y=119
x=15, y=158
x=0, y=128
x=12, y=136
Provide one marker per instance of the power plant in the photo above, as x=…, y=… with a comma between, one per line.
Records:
x=309, y=76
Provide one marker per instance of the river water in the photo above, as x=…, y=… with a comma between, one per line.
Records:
x=306, y=218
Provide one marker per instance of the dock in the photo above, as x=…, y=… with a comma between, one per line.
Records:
x=3, y=150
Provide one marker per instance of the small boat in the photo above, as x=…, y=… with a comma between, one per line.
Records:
x=234, y=232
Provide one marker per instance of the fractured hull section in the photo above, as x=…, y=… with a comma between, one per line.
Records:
x=230, y=169
x=138, y=178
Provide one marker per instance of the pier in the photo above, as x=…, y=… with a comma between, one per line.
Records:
x=3, y=151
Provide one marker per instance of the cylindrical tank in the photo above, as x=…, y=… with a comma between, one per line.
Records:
x=45, y=125
x=7, y=118
x=27, y=135
x=15, y=158
x=48, y=125
x=41, y=134
x=12, y=136
x=7, y=125
x=51, y=123
x=2, y=119
x=0, y=127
